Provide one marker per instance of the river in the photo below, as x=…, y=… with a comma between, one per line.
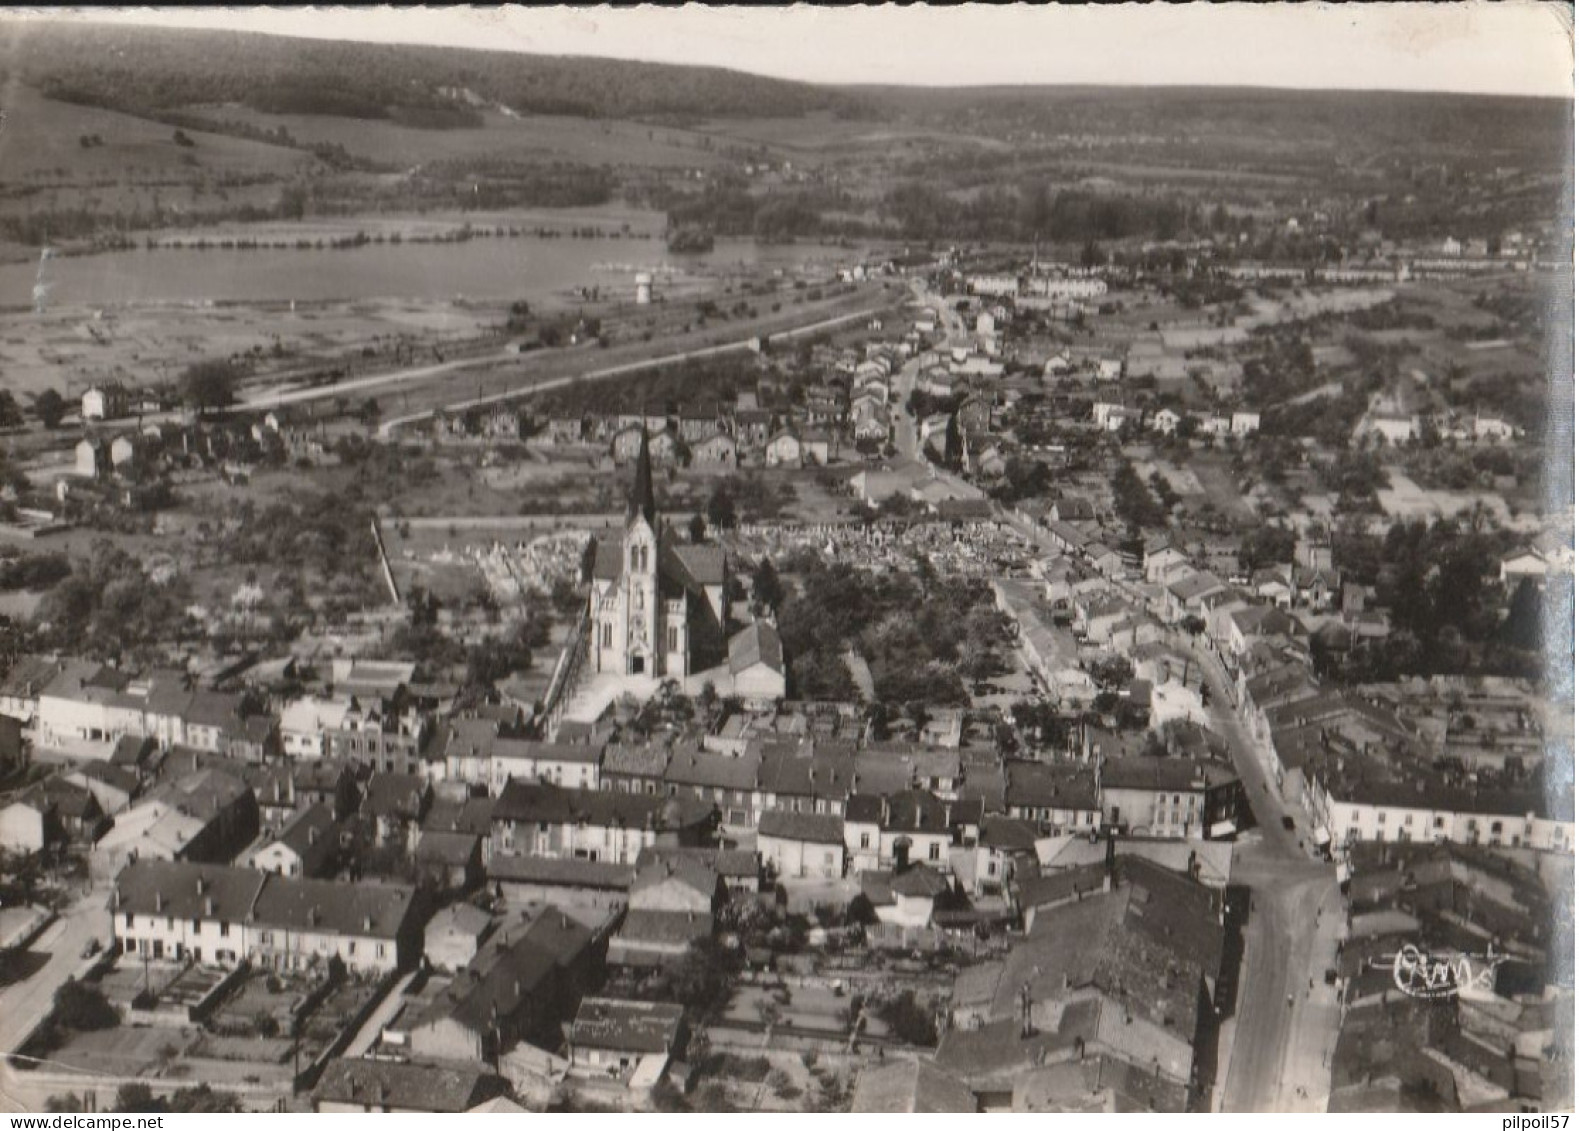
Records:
x=531, y=268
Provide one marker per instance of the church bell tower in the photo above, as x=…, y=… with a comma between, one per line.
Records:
x=643, y=643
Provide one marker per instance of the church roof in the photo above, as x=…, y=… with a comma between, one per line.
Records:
x=756, y=644
x=609, y=562
x=642, y=499
x=703, y=564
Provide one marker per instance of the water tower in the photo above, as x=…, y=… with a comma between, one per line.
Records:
x=643, y=288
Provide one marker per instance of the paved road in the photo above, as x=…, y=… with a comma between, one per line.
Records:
x=277, y=398
x=24, y=1002
x=1287, y=1018
x=624, y=368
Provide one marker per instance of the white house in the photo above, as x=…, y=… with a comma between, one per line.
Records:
x=306, y=722
x=1493, y=429
x=1394, y=429
x=1244, y=423
x=1520, y=564
x=24, y=825
x=218, y=915
x=801, y=846
x=784, y=450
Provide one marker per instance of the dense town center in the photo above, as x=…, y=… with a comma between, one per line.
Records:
x=1099, y=665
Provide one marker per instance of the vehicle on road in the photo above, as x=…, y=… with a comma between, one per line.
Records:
x=1288, y=822
x=91, y=948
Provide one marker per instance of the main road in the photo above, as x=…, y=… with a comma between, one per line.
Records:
x=24, y=1003
x=606, y=372
x=1286, y=1017
x=1285, y=1020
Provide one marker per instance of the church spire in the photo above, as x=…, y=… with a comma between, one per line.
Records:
x=642, y=501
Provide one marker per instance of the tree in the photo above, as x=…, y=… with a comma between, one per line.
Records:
x=953, y=444
x=293, y=202
x=767, y=591
x=908, y=1020
x=136, y=1098
x=10, y=411
x=698, y=531
x=50, y=408
x=208, y=385
x=83, y=1008
x=721, y=508
x=202, y=1100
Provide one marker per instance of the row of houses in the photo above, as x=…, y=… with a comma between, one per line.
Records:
x=1361, y=773
x=70, y=702
x=1111, y=416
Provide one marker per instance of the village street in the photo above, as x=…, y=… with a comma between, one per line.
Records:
x=1287, y=1019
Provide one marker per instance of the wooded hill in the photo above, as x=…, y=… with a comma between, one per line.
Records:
x=141, y=69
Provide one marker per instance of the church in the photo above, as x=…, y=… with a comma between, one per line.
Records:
x=658, y=606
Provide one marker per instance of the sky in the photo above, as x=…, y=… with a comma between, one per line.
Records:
x=1516, y=47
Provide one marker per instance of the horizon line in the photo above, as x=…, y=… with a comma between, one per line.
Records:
x=527, y=41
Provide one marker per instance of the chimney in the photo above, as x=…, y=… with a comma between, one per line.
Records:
x=202, y=885
x=158, y=901
x=367, y=923
x=208, y=906
x=312, y=836
x=312, y=915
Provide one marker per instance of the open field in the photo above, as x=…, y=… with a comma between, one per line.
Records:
x=536, y=137
x=41, y=150
x=70, y=349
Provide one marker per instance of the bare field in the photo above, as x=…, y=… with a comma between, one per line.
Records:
x=536, y=137
x=73, y=348
x=41, y=140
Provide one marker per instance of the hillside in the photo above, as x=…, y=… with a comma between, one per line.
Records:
x=158, y=68
x=121, y=130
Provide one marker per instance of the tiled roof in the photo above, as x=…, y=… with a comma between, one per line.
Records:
x=184, y=891
x=418, y=1087
x=539, y=801
x=511, y=969
x=812, y=828
x=331, y=907
x=906, y=1086
x=649, y=760
x=1174, y=774
x=1050, y=785
x=554, y=871
x=626, y=1026
x=758, y=643
x=670, y=927
x=452, y=849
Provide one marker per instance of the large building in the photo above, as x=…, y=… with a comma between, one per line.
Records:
x=657, y=606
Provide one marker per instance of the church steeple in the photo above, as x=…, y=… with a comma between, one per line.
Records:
x=642, y=501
